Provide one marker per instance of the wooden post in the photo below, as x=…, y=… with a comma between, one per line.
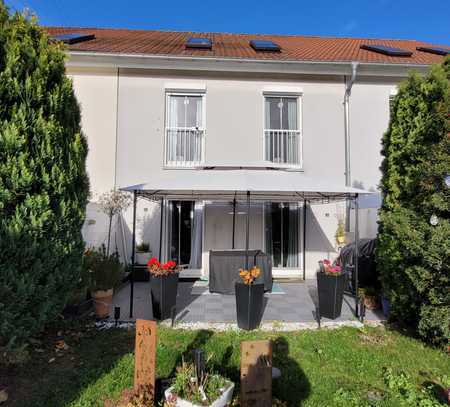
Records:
x=256, y=373
x=145, y=356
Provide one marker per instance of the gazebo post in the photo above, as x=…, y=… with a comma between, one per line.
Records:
x=304, y=241
x=133, y=254
x=356, y=254
x=247, y=230
x=234, y=223
x=161, y=210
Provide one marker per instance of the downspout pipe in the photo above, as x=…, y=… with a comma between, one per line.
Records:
x=348, y=90
x=348, y=179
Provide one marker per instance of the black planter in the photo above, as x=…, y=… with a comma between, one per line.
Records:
x=331, y=294
x=164, y=295
x=141, y=274
x=249, y=305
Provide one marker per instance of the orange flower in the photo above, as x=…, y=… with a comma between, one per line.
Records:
x=248, y=276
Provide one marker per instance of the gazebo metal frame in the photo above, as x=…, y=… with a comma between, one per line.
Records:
x=307, y=197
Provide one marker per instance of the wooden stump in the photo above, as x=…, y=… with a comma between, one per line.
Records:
x=145, y=356
x=256, y=373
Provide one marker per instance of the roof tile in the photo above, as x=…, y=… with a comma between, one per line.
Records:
x=293, y=48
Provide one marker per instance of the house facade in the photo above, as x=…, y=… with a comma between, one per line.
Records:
x=155, y=106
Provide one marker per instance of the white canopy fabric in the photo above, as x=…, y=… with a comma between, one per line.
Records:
x=224, y=184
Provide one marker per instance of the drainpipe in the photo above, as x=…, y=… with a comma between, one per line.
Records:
x=348, y=90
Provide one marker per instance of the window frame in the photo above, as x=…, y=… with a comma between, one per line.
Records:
x=291, y=95
x=168, y=93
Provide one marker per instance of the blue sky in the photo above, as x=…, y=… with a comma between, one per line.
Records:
x=424, y=20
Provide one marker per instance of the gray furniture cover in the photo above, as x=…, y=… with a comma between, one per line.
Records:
x=224, y=268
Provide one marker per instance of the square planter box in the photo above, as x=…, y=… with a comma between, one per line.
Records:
x=222, y=401
x=164, y=295
x=249, y=304
x=331, y=294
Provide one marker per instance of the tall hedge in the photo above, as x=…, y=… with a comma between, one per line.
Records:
x=413, y=254
x=43, y=181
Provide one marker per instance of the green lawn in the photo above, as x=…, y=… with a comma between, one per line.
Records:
x=319, y=368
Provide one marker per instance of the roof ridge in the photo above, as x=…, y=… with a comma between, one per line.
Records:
x=325, y=37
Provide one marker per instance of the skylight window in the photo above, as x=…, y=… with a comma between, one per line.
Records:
x=435, y=50
x=386, y=50
x=199, y=42
x=264, y=45
x=73, y=38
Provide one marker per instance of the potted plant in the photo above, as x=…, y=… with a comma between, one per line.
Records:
x=249, y=299
x=370, y=298
x=143, y=253
x=340, y=233
x=188, y=390
x=104, y=274
x=163, y=286
x=330, y=286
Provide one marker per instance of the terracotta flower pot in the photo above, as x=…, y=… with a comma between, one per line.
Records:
x=102, y=302
x=371, y=302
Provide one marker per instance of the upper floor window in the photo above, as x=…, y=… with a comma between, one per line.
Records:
x=282, y=144
x=184, y=130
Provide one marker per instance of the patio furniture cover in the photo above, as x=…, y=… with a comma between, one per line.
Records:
x=368, y=275
x=224, y=268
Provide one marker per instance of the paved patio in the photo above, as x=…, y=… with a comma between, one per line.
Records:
x=297, y=304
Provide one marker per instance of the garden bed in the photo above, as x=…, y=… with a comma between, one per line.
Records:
x=325, y=367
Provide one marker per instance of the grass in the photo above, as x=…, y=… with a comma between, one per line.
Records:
x=317, y=367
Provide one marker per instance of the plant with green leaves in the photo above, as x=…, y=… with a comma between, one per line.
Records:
x=104, y=270
x=199, y=391
x=413, y=248
x=43, y=181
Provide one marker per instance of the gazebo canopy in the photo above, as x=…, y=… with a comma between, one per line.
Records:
x=235, y=183
x=263, y=184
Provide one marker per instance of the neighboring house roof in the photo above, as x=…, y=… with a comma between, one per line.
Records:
x=236, y=46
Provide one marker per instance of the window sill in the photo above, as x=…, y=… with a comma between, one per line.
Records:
x=181, y=167
x=286, y=167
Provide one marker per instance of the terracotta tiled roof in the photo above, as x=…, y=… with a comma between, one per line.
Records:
x=293, y=48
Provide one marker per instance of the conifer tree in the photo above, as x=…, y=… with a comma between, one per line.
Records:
x=43, y=180
x=413, y=251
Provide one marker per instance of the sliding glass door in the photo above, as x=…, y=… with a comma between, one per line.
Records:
x=180, y=231
x=185, y=227
x=282, y=233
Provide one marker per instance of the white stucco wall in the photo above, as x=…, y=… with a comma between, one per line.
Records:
x=234, y=135
x=96, y=93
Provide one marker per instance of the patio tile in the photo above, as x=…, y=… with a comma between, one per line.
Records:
x=297, y=304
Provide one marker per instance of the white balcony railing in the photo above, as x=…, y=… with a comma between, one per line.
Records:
x=283, y=147
x=184, y=147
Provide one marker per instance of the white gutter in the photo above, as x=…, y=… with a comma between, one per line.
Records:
x=348, y=90
x=114, y=60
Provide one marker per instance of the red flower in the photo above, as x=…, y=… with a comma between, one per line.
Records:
x=326, y=262
x=152, y=261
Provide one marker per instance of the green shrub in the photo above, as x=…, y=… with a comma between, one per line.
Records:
x=412, y=254
x=43, y=181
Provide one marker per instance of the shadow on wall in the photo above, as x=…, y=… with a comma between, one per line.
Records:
x=121, y=238
x=95, y=231
x=316, y=239
x=148, y=225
